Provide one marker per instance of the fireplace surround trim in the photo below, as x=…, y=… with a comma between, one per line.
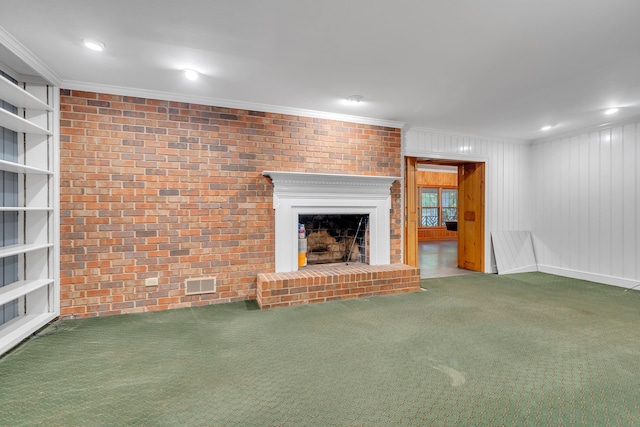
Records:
x=301, y=193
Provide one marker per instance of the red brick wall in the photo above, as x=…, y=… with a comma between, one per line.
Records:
x=169, y=190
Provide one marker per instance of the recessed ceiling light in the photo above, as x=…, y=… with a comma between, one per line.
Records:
x=611, y=111
x=191, y=74
x=355, y=99
x=93, y=44
x=545, y=128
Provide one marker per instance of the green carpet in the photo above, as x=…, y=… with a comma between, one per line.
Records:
x=480, y=350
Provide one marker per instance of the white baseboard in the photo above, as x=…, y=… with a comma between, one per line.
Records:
x=592, y=277
x=523, y=269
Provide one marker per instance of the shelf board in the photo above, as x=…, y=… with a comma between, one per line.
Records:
x=18, y=97
x=22, y=249
x=14, y=331
x=18, y=124
x=24, y=209
x=18, y=168
x=17, y=289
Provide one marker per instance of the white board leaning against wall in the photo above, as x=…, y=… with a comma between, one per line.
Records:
x=514, y=251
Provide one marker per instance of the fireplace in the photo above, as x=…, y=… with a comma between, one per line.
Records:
x=340, y=203
x=297, y=195
x=334, y=239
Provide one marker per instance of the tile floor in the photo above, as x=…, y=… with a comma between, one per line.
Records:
x=439, y=259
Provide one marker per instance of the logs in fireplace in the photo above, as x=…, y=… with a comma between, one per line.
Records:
x=336, y=238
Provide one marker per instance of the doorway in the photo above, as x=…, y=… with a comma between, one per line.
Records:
x=469, y=242
x=439, y=258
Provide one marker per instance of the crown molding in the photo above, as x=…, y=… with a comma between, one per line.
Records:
x=226, y=103
x=27, y=57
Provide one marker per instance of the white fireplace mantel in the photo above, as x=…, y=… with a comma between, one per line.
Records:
x=298, y=193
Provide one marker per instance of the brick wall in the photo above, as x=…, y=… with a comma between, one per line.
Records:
x=169, y=190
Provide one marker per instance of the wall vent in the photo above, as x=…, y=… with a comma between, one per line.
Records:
x=203, y=285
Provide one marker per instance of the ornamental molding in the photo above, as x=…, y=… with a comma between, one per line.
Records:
x=292, y=181
x=296, y=193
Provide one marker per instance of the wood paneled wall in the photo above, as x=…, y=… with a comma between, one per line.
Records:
x=587, y=205
x=437, y=179
x=435, y=233
x=508, y=199
x=578, y=194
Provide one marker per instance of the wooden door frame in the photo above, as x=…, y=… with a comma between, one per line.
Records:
x=471, y=216
x=410, y=213
x=411, y=241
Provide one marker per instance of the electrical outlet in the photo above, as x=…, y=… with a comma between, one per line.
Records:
x=151, y=281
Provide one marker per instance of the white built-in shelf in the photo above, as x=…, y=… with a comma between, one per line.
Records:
x=18, y=124
x=24, y=209
x=18, y=97
x=17, y=289
x=18, y=168
x=7, y=251
x=38, y=260
x=19, y=328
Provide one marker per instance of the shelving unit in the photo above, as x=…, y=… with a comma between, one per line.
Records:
x=8, y=251
x=17, y=168
x=32, y=208
x=15, y=95
x=18, y=124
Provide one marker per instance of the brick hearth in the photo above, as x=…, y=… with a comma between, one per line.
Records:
x=333, y=282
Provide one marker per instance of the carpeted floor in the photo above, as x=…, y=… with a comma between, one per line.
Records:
x=480, y=350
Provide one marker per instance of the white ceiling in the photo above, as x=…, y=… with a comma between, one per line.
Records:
x=499, y=68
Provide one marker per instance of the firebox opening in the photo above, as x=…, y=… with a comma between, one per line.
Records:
x=335, y=238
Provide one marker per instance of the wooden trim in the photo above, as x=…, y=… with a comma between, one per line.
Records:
x=411, y=213
x=436, y=179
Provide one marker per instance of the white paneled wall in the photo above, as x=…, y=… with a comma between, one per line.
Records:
x=508, y=202
x=587, y=205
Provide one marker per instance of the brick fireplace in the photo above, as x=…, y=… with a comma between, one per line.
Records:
x=173, y=191
x=297, y=195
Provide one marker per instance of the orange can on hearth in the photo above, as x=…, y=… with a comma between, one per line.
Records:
x=302, y=259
